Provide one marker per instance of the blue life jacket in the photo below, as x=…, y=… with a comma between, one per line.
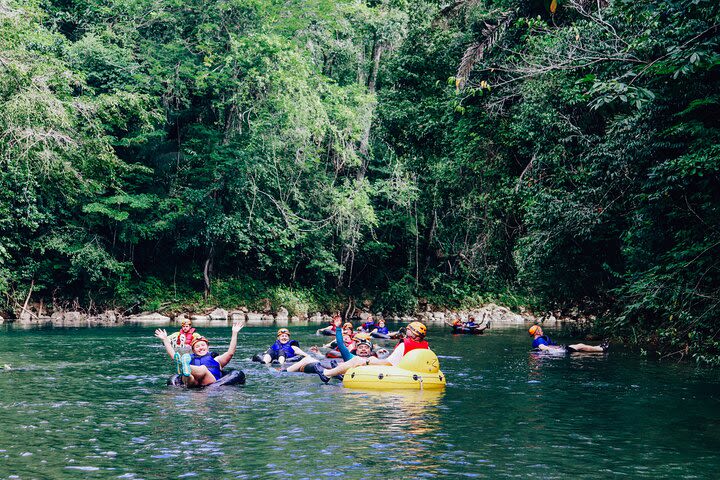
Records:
x=285, y=349
x=383, y=330
x=544, y=340
x=471, y=324
x=368, y=326
x=209, y=361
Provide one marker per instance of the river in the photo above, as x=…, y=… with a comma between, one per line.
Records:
x=92, y=403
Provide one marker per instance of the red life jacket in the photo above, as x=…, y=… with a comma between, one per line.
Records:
x=411, y=344
x=188, y=337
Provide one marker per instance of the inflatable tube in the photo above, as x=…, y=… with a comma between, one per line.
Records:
x=468, y=330
x=333, y=354
x=326, y=333
x=258, y=358
x=387, y=336
x=418, y=370
x=232, y=377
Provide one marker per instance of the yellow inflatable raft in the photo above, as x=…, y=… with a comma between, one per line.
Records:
x=418, y=370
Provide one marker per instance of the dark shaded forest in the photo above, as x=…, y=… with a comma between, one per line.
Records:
x=309, y=153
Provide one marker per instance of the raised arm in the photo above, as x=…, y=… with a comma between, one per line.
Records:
x=225, y=358
x=162, y=335
x=346, y=355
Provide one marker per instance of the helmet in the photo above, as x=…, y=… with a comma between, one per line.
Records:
x=418, y=328
x=363, y=336
x=186, y=321
x=199, y=339
x=363, y=341
x=283, y=330
x=534, y=329
x=347, y=325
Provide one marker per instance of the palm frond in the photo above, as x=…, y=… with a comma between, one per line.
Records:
x=491, y=35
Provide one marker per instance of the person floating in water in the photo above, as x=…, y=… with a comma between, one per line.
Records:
x=543, y=343
x=368, y=326
x=363, y=348
x=414, y=339
x=283, y=349
x=334, y=325
x=183, y=339
x=381, y=331
x=470, y=326
x=201, y=368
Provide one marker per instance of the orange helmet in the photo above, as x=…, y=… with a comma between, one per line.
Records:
x=533, y=330
x=283, y=330
x=347, y=325
x=187, y=321
x=199, y=339
x=418, y=329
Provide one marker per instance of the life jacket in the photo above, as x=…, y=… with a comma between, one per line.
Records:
x=411, y=345
x=543, y=340
x=285, y=349
x=368, y=326
x=208, y=361
x=383, y=330
x=185, y=338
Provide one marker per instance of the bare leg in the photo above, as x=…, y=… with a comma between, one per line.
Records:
x=267, y=359
x=581, y=347
x=353, y=362
x=199, y=376
x=298, y=366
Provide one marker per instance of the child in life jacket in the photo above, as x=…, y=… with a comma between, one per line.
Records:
x=183, y=339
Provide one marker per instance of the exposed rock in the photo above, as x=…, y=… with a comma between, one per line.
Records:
x=148, y=318
x=254, y=318
x=283, y=312
x=294, y=319
x=268, y=318
x=237, y=316
x=316, y=317
x=219, y=314
x=440, y=316
x=2, y=320
x=200, y=318
x=180, y=318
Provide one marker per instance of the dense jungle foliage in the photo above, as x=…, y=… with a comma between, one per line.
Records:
x=562, y=153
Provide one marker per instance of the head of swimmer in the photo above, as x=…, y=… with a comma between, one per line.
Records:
x=535, y=331
x=380, y=322
x=283, y=335
x=200, y=347
x=364, y=349
x=186, y=325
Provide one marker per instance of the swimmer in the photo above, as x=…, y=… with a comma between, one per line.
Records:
x=283, y=349
x=200, y=368
x=543, y=343
x=183, y=339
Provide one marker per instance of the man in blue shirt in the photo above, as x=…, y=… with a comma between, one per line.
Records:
x=543, y=343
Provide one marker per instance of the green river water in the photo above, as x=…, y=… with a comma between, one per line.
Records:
x=92, y=403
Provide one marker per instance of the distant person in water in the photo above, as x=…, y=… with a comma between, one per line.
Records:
x=330, y=329
x=543, y=343
x=200, y=368
x=183, y=339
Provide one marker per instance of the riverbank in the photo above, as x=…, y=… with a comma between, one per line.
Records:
x=498, y=315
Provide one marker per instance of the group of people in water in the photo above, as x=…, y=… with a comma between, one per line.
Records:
x=351, y=348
